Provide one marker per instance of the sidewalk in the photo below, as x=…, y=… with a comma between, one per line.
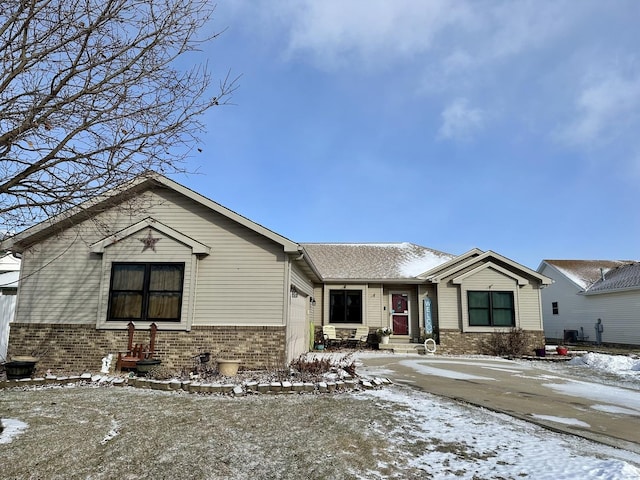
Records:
x=605, y=414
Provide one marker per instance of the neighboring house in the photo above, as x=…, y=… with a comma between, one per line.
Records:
x=9, y=275
x=459, y=300
x=212, y=280
x=586, y=290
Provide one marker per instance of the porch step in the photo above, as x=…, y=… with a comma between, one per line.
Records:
x=417, y=348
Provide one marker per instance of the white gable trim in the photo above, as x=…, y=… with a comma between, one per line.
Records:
x=521, y=280
x=431, y=273
x=490, y=254
x=197, y=248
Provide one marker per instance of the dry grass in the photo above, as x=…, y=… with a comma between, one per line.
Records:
x=105, y=433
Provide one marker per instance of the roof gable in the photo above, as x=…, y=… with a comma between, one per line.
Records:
x=196, y=247
x=515, y=269
x=136, y=186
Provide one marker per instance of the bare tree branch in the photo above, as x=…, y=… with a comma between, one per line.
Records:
x=91, y=96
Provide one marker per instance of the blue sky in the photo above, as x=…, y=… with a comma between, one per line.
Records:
x=509, y=126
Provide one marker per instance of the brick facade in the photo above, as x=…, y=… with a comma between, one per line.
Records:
x=457, y=343
x=76, y=349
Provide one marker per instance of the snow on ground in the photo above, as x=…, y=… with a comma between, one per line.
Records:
x=12, y=428
x=466, y=442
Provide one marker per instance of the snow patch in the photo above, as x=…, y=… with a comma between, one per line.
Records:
x=12, y=428
x=563, y=420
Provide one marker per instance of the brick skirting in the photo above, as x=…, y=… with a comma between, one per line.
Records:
x=455, y=342
x=80, y=348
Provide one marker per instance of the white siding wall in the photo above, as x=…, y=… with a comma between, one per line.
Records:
x=620, y=312
x=241, y=282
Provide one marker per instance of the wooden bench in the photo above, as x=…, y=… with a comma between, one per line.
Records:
x=138, y=351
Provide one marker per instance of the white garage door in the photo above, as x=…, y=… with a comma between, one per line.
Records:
x=298, y=330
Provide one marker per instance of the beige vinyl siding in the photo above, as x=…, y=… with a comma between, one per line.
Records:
x=375, y=303
x=241, y=282
x=448, y=306
x=60, y=281
x=317, y=310
x=530, y=312
x=299, y=280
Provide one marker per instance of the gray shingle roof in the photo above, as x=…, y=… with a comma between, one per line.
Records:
x=619, y=278
x=585, y=272
x=371, y=261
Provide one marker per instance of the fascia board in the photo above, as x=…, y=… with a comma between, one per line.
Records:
x=521, y=280
x=196, y=247
x=434, y=271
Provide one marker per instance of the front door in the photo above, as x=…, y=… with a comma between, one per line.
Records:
x=400, y=313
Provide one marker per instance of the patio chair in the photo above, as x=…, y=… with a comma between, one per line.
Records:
x=330, y=337
x=136, y=352
x=359, y=338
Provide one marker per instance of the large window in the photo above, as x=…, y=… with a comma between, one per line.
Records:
x=146, y=291
x=345, y=306
x=491, y=309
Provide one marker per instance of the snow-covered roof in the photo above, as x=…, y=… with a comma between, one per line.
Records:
x=585, y=273
x=371, y=261
x=623, y=277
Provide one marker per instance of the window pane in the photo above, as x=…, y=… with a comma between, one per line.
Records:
x=165, y=277
x=337, y=306
x=164, y=306
x=126, y=305
x=502, y=318
x=502, y=299
x=478, y=299
x=128, y=277
x=354, y=307
x=479, y=317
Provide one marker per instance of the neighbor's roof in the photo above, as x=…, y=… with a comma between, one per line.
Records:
x=373, y=261
x=623, y=277
x=585, y=273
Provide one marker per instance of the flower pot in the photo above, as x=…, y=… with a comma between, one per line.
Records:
x=227, y=367
x=143, y=366
x=320, y=346
x=541, y=352
x=384, y=340
x=562, y=350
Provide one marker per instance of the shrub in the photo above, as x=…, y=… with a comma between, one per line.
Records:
x=513, y=342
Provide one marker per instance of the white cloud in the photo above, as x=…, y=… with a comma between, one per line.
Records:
x=459, y=121
x=605, y=108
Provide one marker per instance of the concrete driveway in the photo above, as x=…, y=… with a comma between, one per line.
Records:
x=606, y=414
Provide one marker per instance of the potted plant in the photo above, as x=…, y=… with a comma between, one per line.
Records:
x=384, y=334
x=540, y=351
x=562, y=350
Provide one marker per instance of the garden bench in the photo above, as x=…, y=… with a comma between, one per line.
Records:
x=136, y=352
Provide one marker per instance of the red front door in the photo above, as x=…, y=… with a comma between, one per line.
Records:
x=400, y=313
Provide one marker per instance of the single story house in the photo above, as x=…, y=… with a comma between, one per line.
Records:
x=154, y=251
x=584, y=291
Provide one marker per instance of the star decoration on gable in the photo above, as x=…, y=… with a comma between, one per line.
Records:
x=149, y=241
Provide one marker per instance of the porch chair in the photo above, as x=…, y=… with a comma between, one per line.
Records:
x=330, y=337
x=136, y=352
x=360, y=337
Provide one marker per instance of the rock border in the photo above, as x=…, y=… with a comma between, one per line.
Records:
x=216, y=388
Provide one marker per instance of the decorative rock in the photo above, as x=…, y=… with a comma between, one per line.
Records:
x=237, y=391
x=195, y=387
x=95, y=378
x=119, y=382
x=367, y=384
x=275, y=387
x=331, y=386
x=309, y=387
x=185, y=385
x=322, y=387
x=339, y=385
x=216, y=388
x=85, y=376
x=175, y=385
x=286, y=386
x=227, y=387
x=377, y=382
x=349, y=384
x=263, y=387
x=298, y=387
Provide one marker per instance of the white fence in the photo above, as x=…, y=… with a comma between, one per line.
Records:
x=7, y=309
